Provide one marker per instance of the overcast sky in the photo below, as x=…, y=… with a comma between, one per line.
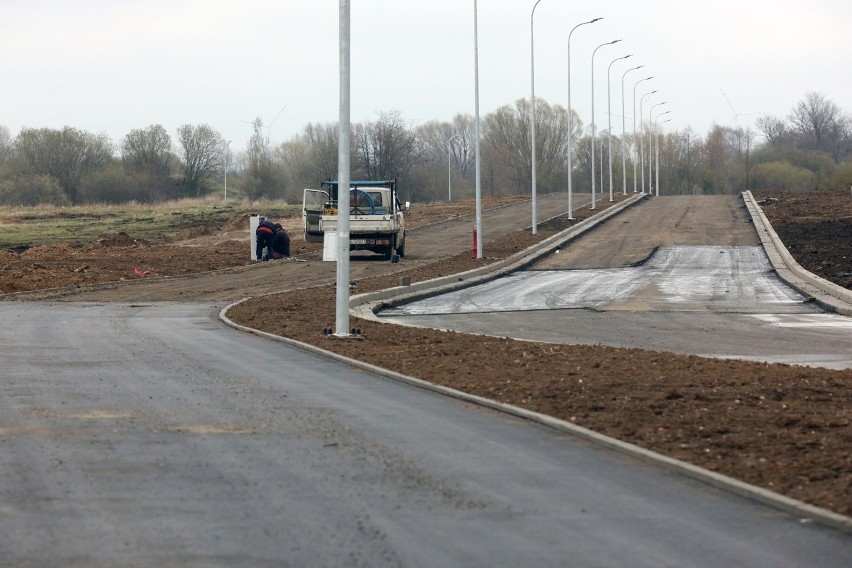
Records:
x=116, y=65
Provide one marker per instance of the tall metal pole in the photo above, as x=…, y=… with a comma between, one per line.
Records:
x=593, y=115
x=609, y=122
x=624, y=134
x=641, y=138
x=532, y=121
x=570, y=125
x=343, y=171
x=651, y=124
x=227, y=163
x=477, y=132
x=658, y=153
x=633, y=145
x=449, y=172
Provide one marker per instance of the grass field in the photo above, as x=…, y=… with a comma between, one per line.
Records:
x=23, y=227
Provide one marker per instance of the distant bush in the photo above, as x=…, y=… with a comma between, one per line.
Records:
x=783, y=175
x=112, y=185
x=842, y=177
x=29, y=190
x=819, y=163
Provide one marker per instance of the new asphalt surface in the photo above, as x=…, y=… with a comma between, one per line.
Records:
x=152, y=435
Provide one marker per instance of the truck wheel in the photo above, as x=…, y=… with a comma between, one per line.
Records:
x=391, y=248
x=400, y=250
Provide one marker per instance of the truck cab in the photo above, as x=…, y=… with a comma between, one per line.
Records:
x=376, y=217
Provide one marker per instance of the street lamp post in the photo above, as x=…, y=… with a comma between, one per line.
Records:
x=657, y=160
x=450, y=167
x=227, y=163
x=609, y=121
x=570, y=127
x=477, y=130
x=650, y=145
x=657, y=157
x=343, y=173
x=634, y=129
x=624, y=134
x=593, y=115
x=532, y=108
x=641, y=137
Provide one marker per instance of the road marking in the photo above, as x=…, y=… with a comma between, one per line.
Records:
x=805, y=321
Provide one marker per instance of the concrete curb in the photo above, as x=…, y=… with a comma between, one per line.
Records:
x=805, y=512
x=828, y=295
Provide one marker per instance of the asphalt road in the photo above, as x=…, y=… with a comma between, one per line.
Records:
x=152, y=435
x=678, y=274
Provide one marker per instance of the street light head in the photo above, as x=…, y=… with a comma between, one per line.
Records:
x=595, y=20
x=614, y=41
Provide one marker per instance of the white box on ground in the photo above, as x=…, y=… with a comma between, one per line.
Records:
x=329, y=246
x=254, y=222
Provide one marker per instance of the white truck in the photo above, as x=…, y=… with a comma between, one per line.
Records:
x=376, y=217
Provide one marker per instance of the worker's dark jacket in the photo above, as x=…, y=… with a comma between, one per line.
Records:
x=265, y=233
x=281, y=244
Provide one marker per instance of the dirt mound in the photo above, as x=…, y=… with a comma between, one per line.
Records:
x=192, y=233
x=236, y=223
x=47, y=252
x=120, y=239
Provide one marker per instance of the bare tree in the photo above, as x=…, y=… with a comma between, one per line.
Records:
x=68, y=155
x=6, y=144
x=443, y=146
x=258, y=162
x=202, y=152
x=324, y=143
x=312, y=156
x=434, y=139
x=773, y=128
x=387, y=148
x=508, y=129
x=147, y=153
x=717, y=147
x=819, y=122
x=463, y=137
x=258, y=154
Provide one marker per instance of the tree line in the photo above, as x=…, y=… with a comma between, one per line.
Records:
x=808, y=149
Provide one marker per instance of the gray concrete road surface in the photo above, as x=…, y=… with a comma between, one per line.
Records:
x=680, y=274
x=152, y=435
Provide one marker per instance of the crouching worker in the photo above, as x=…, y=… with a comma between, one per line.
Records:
x=280, y=243
x=264, y=234
x=272, y=238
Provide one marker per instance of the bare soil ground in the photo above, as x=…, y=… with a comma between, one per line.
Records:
x=786, y=428
x=816, y=228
